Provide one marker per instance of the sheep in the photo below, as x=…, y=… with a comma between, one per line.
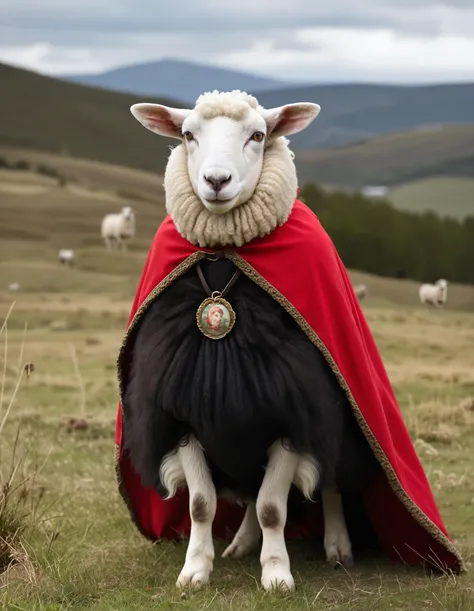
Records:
x=118, y=227
x=224, y=179
x=361, y=291
x=66, y=256
x=14, y=286
x=434, y=294
x=273, y=428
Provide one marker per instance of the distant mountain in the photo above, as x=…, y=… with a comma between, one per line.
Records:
x=350, y=112
x=355, y=112
x=179, y=80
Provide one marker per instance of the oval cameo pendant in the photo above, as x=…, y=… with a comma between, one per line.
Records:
x=215, y=317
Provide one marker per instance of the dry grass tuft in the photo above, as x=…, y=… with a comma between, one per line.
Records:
x=20, y=497
x=439, y=421
x=424, y=448
x=449, y=480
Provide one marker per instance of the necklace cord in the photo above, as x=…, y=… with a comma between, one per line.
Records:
x=225, y=290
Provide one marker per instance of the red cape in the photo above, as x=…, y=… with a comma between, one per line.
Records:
x=300, y=267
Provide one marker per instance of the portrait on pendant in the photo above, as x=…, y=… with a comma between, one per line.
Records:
x=216, y=319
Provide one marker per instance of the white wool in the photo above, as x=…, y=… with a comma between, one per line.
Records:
x=269, y=206
x=233, y=104
x=66, y=254
x=434, y=294
x=119, y=225
x=361, y=291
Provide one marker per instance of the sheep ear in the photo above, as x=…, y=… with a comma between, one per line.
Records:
x=290, y=119
x=160, y=119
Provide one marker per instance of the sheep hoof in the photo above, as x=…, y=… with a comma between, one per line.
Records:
x=278, y=578
x=192, y=580
x=340, y=559
x=194, y=576
x=239, y=547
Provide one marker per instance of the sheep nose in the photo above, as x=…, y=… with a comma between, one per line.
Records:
x=218, y=182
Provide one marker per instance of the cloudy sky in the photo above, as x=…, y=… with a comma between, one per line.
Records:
x=300, y=40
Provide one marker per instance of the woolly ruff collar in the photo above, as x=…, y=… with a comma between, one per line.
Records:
x=269, y=206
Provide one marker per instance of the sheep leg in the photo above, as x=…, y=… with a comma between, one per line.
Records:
x=271, y=513
x=202, y=507
x=247, y=537
x=108, y=243
x=336, y=538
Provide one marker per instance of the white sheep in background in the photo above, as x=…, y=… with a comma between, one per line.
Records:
x=361, y=291
x=434, y=294
x=118, y=227
x=14, y=286
x=66, y=256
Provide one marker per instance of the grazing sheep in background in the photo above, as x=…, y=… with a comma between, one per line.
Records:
x=434, y=294
x=66, y=256
x=118, y=227
x=14, y=286
x=361, y=290
x=257, y=411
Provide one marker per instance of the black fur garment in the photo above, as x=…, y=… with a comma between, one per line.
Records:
x=265, y=380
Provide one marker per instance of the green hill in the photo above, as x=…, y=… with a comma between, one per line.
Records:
x=48, y=114
x=393, y=159
x=38, y=112
x=93, y=175
x=447, y=196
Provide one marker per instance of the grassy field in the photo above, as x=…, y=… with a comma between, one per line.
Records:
x=98, y=180
x=81, y=551
x=447, y=196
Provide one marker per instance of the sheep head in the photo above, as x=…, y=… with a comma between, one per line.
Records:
x=127, y=212
x=225, y=135
x=442, y=285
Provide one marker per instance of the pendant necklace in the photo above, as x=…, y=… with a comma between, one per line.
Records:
x=215, y=316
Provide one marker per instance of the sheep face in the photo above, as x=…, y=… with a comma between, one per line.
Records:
x=225, y=158
x=127, y=212
x=226, y=136
x=442, y=288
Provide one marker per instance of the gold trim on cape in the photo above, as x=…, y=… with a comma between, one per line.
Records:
x=178, y=271
x=389, y=471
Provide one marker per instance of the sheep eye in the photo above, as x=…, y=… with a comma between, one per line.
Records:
x=188, y=136
x=258, y=136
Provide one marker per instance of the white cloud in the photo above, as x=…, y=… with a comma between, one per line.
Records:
x=44, y=57
x=381, y=55
x=397, y=40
